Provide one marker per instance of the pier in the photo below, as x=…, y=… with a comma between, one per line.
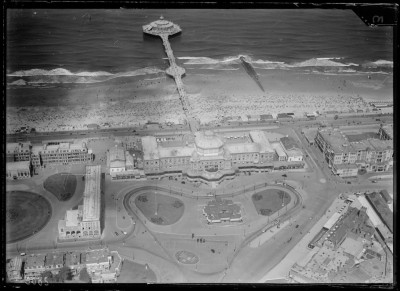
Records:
x=164, y=29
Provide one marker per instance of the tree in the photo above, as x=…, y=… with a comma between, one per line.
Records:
x=65, y=274
x=84, y=276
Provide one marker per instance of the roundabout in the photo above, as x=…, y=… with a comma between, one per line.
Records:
x=27, y=213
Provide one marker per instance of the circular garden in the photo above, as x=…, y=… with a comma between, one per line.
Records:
x=160, y=209
x=268, y=201
x=61, y=185
x=26, y=214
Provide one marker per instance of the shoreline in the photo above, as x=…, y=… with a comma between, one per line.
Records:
x=213, y=96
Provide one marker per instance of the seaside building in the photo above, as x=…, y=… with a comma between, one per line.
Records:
x=54, y=262
x=103, y=266
x=293, y=153
x=122, y=165
x=210, y=158
x=16, y=152
x=84, y=222
x=18, y=170
x=65, y=153
x=373, y=155
x=14, y=269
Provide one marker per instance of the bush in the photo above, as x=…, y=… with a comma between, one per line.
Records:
x=157, y=220
x=177, y=204
x=265, y=212
x=143, y=198
x=257, y=197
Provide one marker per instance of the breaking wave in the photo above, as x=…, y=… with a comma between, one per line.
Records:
x=64, y=76
x=323, y=63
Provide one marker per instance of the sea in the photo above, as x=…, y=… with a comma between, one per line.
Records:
x=60, y=46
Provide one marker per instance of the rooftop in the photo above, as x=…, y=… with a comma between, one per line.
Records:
x=150, y=149
x=97, y=256
x=279, y=149
x=91, y=195
x=53, y=259
x=337, y=140
x=161, y=26
x=258, y=136
x=352, y=246
x=72, y=258
x=72, y=217
x=15, y=166
x=166, y=152
x=208, y=140
x=117, y=153
x=238, y=148
x=35, y=260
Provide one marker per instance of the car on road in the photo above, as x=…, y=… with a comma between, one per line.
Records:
x=22, y=254
x=124, y=232
x=116, y=233
x=297, y=226
x=373, y=181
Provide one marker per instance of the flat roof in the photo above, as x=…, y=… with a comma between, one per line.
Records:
x=35, y=260
x=15, y=166
x=97, y=256
x=279, y=149
x=239, y=148
x=258, y=136
x=170, y=152
x=332, y=220
x=337, y=140
x=72, y=217
x=352, y=246
x=54, y=259
x=72, y=258
x=150, y=148
x=117, y=153
x=91, y=195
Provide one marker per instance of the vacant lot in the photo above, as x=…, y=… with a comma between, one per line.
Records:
x=135, y=273
x=26, y=214
x=269, y=201
x=160, y=209
x=62, y=185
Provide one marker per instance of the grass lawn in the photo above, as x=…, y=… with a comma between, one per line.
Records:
x=269, y=201
x=132, y=272
x=26, y=213
x=362, y=136
x=168, y=209
x=61, y=185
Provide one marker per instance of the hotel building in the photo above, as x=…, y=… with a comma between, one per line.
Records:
x=84, y=222
x=346, y=158
x=18, y=170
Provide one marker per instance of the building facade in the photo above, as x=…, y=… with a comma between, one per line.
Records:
x=373, y=155
x=123, y=166
x=209, y=158
x=18, y=170
x=14, y=269
x=386, y=132
x=84, y=222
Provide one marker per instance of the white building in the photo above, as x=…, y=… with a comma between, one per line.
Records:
x=84, y=223
x=14, y=269
x=122, y=165
x=18, y=170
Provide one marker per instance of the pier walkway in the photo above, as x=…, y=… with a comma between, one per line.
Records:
x=164, y=29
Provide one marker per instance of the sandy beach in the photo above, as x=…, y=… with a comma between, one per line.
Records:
x=213, y=95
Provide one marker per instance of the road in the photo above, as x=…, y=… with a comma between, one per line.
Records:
x=38, y=137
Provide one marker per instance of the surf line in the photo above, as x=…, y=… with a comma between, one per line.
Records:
x=251, y=72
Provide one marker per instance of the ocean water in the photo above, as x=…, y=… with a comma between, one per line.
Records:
x=88, y=46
